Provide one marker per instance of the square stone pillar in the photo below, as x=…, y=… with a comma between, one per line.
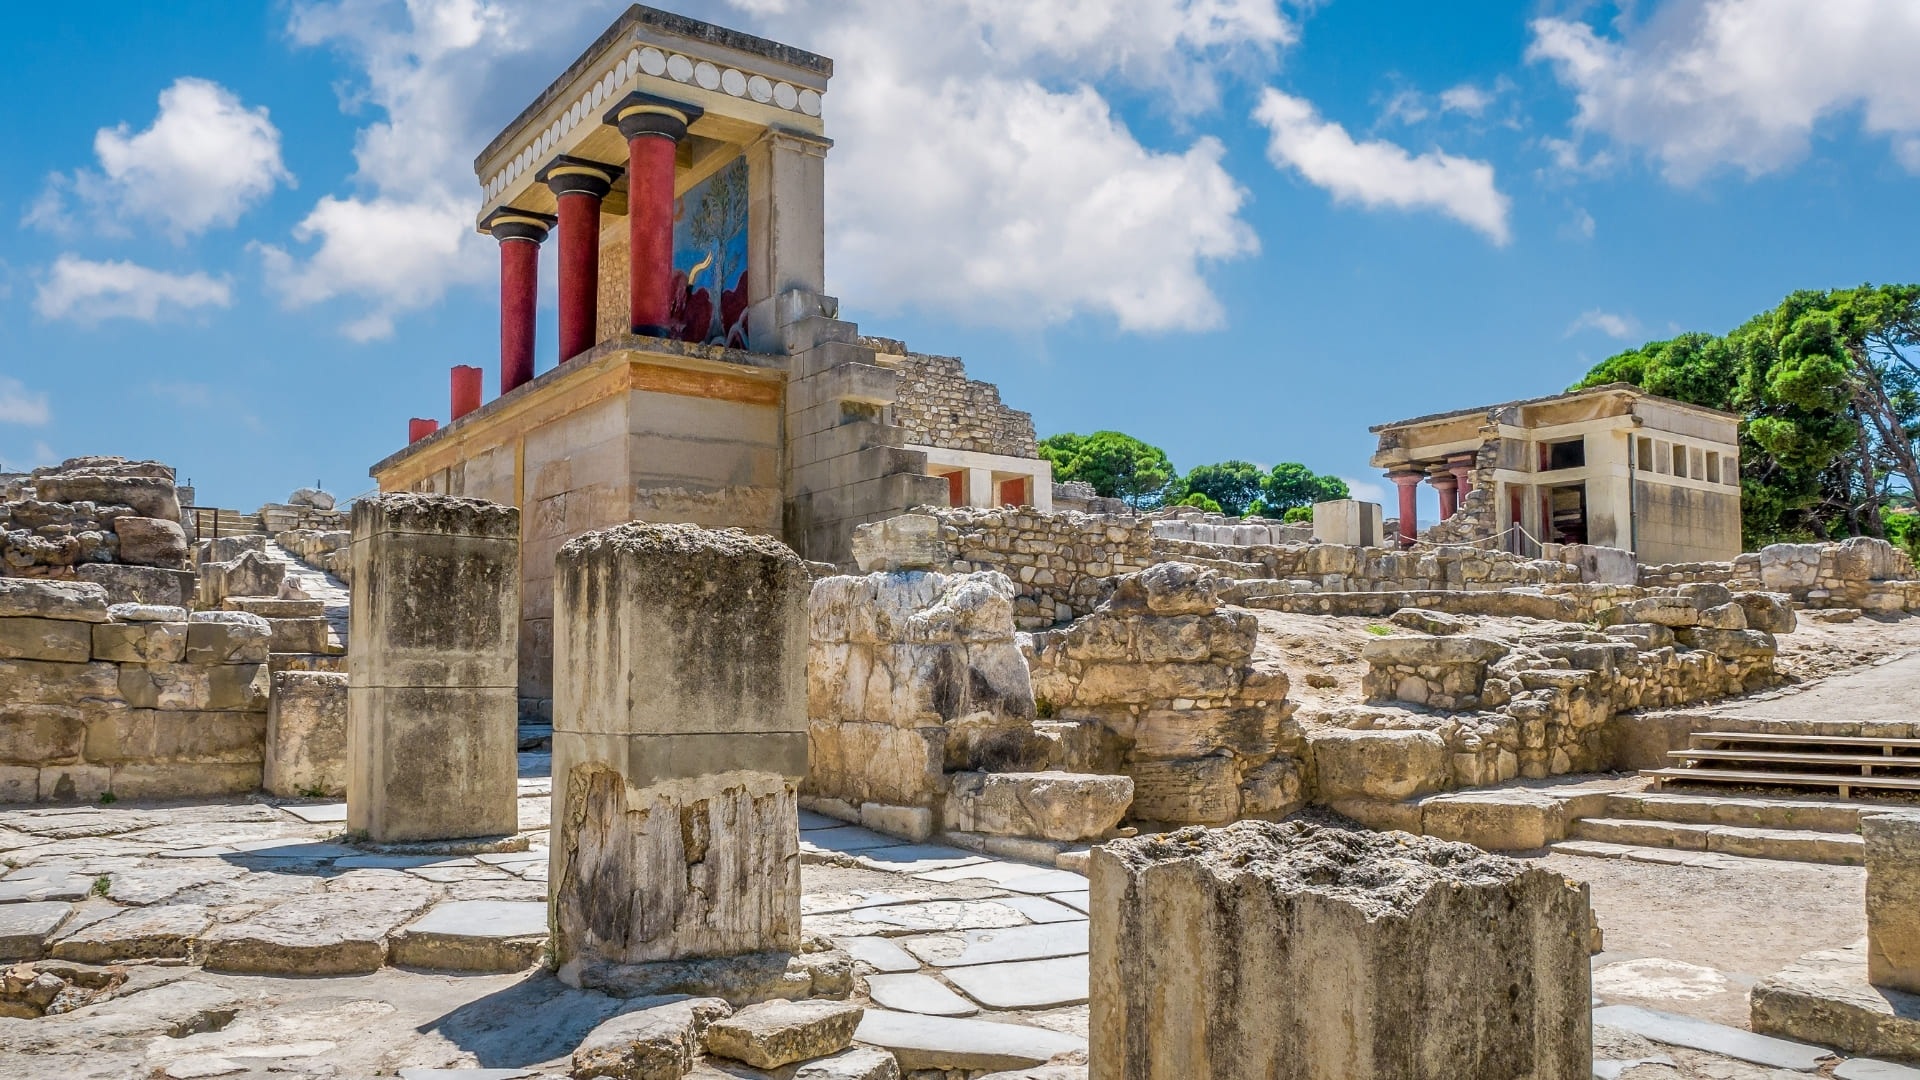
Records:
x=432, y=668
x=1299, y=952
x=786, y=234
x=1893, y=900
x=679, y=740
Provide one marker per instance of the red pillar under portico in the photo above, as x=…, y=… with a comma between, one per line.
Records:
x=1444, y=483
x=1461, y=466
x=1409, y=483
x=653, y=128
x=578, y=185
x=520, y=233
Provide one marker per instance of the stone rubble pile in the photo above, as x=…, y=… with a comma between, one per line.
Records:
x=102, y=519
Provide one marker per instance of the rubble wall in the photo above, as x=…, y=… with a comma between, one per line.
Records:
x=128, y=700
x=107, y=520
x=939, y=406
x=1859, y=572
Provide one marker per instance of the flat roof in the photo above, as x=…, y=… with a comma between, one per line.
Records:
x=1591, y=391
x=665, y=22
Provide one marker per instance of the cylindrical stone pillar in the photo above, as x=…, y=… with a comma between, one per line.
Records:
x=653, y=128
x=1409, y=483
x=1292, y=951
x=675, y=808
x=520, y=233
x=1461, y=466
x=466, y=388
x=578, y=185
x=1446, y=485
x=420, y=427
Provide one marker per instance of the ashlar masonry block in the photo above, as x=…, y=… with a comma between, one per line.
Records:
x=1893, y=899
x=679, y=739
x=1299, y=952
x=432, y=668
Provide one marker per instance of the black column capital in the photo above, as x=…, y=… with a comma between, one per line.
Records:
x=513, y=223
x=566, y=174
x=644, y=114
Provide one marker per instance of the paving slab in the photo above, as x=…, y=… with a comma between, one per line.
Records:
x=319, y=813
x=810, y=821
x=474, y=935
x=31, y=884
x=847, y=840
x=1038, y=942
x=1028, y=984
x=921, y=994
x=916, y=918
x=1079, y=901
x=24, y=927
x=1614, y=1070
x=1047, y=881
x=857, y=1063
x=1870, y=1069
x=940, y=1042
x=917, y=858
x=1041, y=909
x=1676, y=1030
x=154, y=884
x=827, y=903
x=463, y=1074
x=1018, y=877
x=880, y=954
x=329, y=934
x=151, y=933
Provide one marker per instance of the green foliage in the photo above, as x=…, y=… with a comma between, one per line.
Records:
x=100, y=885
x=107, y=797
x=1829, y=398
x=1903, y=529
x=1379, y=631
x=1298, y=515
x=1291, y=484
x=1233, y=486
x=1118, y=466
x=1200, y=500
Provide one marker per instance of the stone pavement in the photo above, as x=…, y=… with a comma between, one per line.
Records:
x=250, y=939
x=1879, y=692
x=318, y=585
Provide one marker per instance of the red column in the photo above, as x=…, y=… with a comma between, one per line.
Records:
x=578, y=185
x=466, y=390
x=1461, y=466
x=418, y=428
x=1446, y=485
x=653, y=128
x=1409, y=504
x=520, y=233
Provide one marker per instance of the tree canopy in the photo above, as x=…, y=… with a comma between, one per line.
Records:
x=1829, y=394
x=1119, y=466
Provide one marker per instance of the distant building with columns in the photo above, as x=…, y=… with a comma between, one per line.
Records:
x=704, y=374
x=1612, y=466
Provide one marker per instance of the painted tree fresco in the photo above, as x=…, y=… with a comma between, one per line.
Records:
x=710, y=259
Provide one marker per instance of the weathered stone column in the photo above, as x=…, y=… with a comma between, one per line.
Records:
x=679, y=739
x=1893, y=900
x=432, y=668
x=1409, y=482
x=1299, y=952
x=578, y=185
x=653, y=128
x=520, y=233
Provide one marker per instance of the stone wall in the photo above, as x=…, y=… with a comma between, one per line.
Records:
x=912, y=675
x=937, y=405
x=103, y=519
x=322, y=549
x=1161, y=685
x=1859, y=572
x=129, y=700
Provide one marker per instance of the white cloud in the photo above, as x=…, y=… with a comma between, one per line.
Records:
x=1466, y=98
x=1705, y=84
x=1582, y=225
x=18, y=405
x=1607, y=322
x=89, y=292
x=1372, y=491
x=1378, y=173
x=206, y=160
x=978, y=168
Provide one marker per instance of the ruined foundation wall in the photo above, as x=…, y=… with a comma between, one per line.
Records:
x=1859, y=572
x=937, y=405
x=140, y=702
x=101, y=519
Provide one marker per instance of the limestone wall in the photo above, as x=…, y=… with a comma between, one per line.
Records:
x=102, y=519
x=322, y=549
x=937, y=405
x=136, y=701
x=1161, y=685
x=1859, y=572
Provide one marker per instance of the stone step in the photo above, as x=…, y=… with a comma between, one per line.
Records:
x=1811, y=815
x=1792, y=845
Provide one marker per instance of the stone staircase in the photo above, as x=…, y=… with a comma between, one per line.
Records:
x=323, y=587
x=204, y=523
x=1765, y=827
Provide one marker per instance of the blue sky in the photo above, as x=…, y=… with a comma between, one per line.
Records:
x=238, y=238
